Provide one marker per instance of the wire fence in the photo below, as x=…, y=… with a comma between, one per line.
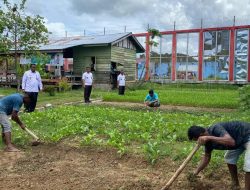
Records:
x=118, y=28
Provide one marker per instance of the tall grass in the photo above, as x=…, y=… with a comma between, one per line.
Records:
x=214, y=98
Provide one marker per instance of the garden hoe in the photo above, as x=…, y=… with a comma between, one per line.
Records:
x=182, y=166
x=36, y=139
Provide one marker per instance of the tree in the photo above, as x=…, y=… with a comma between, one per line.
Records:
x=20, y=32
x=152, y=43
x=153, y=32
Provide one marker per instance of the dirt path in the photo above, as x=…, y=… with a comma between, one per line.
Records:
x=67, y=167
x=165, y=107
x=140, y=105
x=133, y=105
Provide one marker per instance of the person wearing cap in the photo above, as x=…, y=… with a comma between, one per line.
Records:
x=31, y=85
x=10, y=105
x=152, y=99
x=121, y=80
x=87, y=82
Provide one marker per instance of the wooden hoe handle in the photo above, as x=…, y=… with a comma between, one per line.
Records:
x=31, y=133
x=182, y=166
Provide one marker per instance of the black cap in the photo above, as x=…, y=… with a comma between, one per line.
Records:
x=151, y=91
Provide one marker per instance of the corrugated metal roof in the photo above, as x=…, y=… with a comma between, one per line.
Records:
x=68, y=42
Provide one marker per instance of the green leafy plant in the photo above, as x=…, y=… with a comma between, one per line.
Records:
x=50, y=89
x=152, y=151
x=244, y=97
x=153, y=33
x=153, y=43
x=154, y=135
x=64, y=85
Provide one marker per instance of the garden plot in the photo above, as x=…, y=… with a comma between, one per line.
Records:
x=100, y=147
x=63, y=166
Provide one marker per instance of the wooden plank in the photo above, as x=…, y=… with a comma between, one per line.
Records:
x=127, y=58
x=82, y=58
x=104, y=56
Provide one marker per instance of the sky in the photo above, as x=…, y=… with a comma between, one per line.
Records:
x=91, y=16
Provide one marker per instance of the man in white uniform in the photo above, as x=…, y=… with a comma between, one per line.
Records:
x=87, y=81
x=31, y=85
x=121, y=83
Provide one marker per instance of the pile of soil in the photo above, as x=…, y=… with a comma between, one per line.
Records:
x=65, y=166
x=132, y=105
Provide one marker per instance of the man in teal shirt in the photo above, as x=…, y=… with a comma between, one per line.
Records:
x=10, y=105
x=152, y=99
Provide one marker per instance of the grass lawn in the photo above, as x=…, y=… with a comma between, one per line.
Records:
x=59, y=98
x=185, y=97
x=6, y=91
x=211, y=96
x=197, y=95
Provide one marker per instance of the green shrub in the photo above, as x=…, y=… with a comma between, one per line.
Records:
x=50, y=89
x=244, y=99
x=64, y=85
x=45, y=75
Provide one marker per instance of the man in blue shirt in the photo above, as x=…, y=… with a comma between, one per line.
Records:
x=10, y=105
x=233, y=136
x=152, y=99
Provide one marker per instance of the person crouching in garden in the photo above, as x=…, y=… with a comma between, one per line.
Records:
x=152, y=100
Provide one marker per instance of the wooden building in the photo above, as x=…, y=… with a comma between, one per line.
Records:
x=101, y=53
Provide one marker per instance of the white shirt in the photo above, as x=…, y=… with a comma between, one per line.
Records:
x=88, y=78
x=32, y=82
x=121, y=80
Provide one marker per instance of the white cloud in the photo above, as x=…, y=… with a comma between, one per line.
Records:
x=75, y=16
x=56, y=28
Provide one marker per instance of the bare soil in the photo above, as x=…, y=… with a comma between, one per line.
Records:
x=164, y=107
x=66, y=166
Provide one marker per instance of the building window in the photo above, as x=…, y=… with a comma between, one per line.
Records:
x=161, y=58
x=241, y=55
x=141, y=59
x=187, y=56
x=120, y=44
x=93, y=64
x=216, y=55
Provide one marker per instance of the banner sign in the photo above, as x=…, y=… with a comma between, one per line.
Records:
x=53, y=59
x=56, y=59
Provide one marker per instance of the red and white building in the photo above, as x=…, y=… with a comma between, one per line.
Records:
x=204, y=54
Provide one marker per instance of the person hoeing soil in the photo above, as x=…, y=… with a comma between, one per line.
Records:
x=10, y=105
x=232, y=136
